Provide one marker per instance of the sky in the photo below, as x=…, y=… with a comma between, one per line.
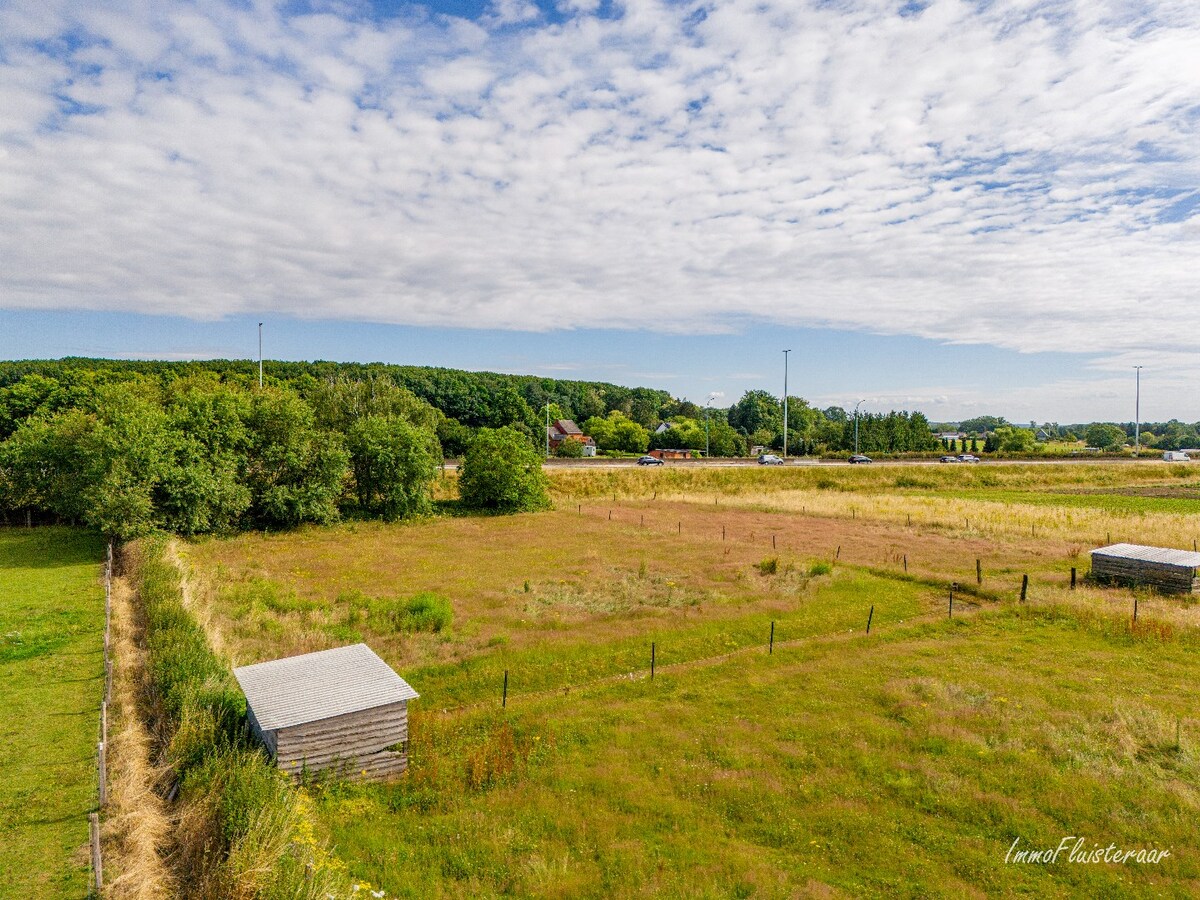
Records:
x=958, y=207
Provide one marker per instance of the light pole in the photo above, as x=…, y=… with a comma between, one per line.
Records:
x=1137, y=410
x=785, y=409
x=260, y=356
x=547, y=430
x=856, y=406
x=711, y=397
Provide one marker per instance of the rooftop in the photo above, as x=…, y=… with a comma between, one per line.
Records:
x=321, y=685
x=1163, y=555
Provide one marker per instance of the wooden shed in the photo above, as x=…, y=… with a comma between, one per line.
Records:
x=342, y=709
x=1167, y=570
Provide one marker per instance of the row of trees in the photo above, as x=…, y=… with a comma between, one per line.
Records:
x=198, y=454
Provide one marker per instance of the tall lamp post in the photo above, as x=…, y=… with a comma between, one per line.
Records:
x=547, y=431
x=785, y=395
x=1137, y=410
x=260, y=356
x=711, y=397
x=856, y=406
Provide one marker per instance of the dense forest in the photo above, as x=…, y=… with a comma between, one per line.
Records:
x=190, y=447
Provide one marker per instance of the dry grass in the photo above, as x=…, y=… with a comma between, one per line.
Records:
x=137, y=827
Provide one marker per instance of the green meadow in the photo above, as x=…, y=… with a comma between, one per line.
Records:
x=51, y=678
x=903, y=763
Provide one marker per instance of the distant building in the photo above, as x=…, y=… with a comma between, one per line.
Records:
x=674, y=454
x=566, y=430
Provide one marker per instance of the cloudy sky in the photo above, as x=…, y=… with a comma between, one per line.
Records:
x=961, y=207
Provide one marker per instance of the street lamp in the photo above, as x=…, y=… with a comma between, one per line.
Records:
x=856, y=406
x=711, y=397
x=785, y=409
x=260, y=356
x=547, y=430
x=1137, y=410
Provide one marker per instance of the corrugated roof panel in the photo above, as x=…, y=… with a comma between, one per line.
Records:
x=321, y=685
x=1164, y=555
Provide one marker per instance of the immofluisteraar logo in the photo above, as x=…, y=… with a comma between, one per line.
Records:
x=1076, y=851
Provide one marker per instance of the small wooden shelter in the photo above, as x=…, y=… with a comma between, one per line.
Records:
x=342, y=709
x=1167, y=570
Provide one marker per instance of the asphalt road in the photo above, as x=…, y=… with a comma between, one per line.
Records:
x=805, y=462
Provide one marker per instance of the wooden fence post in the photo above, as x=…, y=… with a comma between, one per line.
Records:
x=97, y=864
x=1024, y=586
x=1135, y=604
x=1072, y=578
x=772, y=646
x=504, y=696
x=838, y=555
x=870, y=616
x=978, y=571
x=102, y=773
x=772, y=542
x=652, y=660
x=905, y=562
x=950, y=613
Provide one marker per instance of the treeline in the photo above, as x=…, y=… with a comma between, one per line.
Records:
x=466, y=400
x=197, y=454
x=758, y=417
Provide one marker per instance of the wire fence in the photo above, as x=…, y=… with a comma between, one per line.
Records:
x=102, y=744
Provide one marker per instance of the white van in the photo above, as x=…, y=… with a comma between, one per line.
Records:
x=1176, y=456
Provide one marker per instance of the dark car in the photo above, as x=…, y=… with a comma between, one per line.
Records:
x=649, y=461
x=949, y=459
x=859, y=458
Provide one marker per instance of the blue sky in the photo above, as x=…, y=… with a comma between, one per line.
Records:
x=953, y=206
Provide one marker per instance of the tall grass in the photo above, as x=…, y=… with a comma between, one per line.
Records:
x=242, y=828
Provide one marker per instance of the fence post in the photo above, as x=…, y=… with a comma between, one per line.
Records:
x=504, y=696
x=104, y=722
x=101, y=770
x=838, y=555
x=978, y=571
x=1072, y=578
x=905, y=562
x=1024, y=586
x=772, y=647
x=652, y=660
x=722, y=532
x=772, y=542
x=950, y=614
x=97, y=865
x=1135, y=604
x=870, y=616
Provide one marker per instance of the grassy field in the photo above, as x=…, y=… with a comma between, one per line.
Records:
x=903, y=763
x=51, y=677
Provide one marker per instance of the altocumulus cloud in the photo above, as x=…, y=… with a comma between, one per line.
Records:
x=1017, y=173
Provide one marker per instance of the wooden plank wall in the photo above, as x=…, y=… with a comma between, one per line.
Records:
x=1166, y=578
x=356, y=744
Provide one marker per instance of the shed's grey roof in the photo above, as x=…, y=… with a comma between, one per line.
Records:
x=1161, y=555
x=299, y=689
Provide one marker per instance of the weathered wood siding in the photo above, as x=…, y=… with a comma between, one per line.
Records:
x=356, y=744
x=1164, y=577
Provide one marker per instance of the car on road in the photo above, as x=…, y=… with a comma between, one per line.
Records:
x=649, y=461
x=859, y=458
x=967, y=457
x=949, y=459
x=769, y=459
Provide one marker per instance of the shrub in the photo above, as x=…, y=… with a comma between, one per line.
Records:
x=820, y=568
x=769, y=566
x=501, y=472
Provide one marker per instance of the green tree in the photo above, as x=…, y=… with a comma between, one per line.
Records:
x=294, y=471
x=1105, y=436
x=569, y=448
x=502, y=472
x=394, y=462
x=617, y=431
x=1010, y=439
x=757, y=411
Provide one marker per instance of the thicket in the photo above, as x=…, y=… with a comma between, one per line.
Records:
x=242, y=830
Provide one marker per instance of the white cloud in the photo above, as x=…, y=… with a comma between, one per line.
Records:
x=996, y=173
